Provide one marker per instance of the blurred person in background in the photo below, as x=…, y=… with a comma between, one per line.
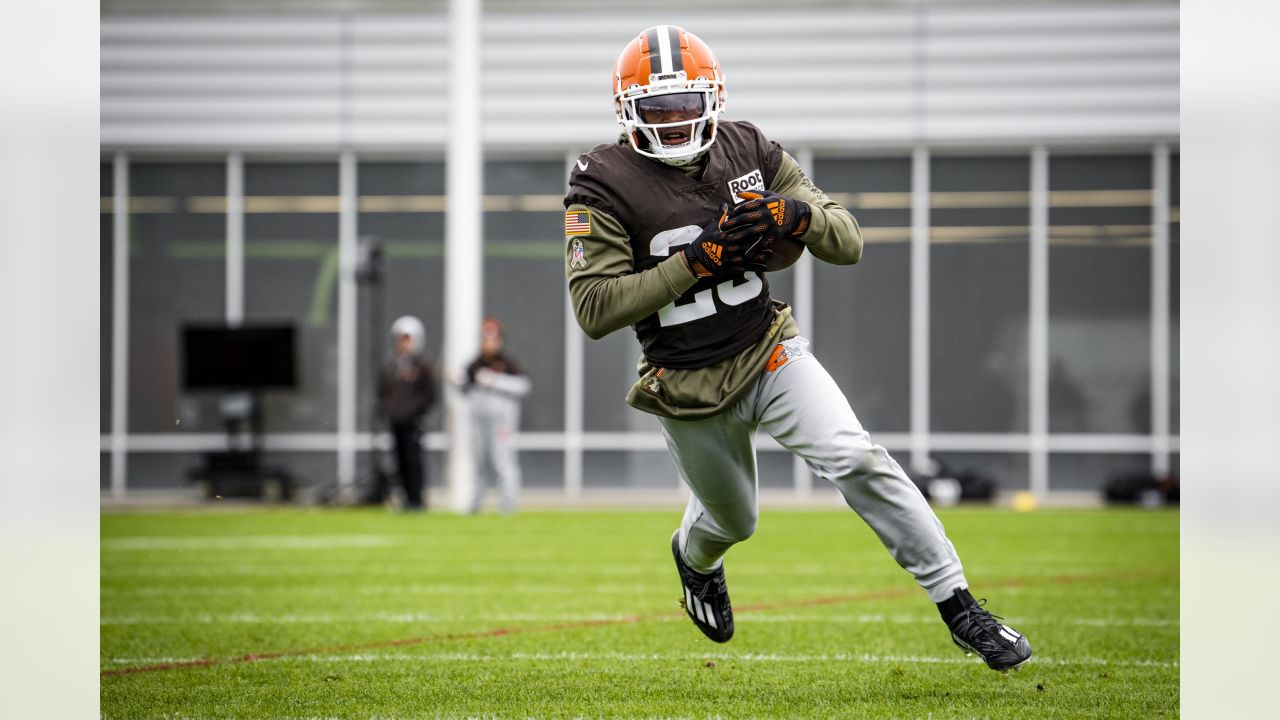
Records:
x=406, y=391
x=495, y=383
x=672, y=230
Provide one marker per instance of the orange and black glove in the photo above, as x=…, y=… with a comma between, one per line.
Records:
x=767, y=212
x=723, y=252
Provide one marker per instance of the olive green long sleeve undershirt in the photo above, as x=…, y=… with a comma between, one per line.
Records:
x=608, y=294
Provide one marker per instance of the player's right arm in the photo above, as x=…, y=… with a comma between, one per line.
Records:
x=833, y=234
x=606, y=291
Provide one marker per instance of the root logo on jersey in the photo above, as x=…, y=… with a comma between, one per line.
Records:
x=578, y=259
x=753, y=180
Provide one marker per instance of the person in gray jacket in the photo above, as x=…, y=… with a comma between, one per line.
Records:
x=495, y=383
x=406, y=391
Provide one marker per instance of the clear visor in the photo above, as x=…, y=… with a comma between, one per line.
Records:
x=671, y=108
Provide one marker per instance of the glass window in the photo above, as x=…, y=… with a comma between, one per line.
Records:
x=168, y=470
x=1092, y=471
x=608, y=374
x=862, y=320
x=651, y=469
x=524, y=283
x=1100, y=294
x=402, y=210
x=978, y=300
x=433, y=468
x=540, y=469
x=775, y=471
x=291, y=275
x=1008, y=471
x=154, y=470
x=106, y=292
x=177, y=270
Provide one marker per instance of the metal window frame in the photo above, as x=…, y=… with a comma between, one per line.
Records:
x=575, y=441
x=235, y=239
x=1160, y=310
x=120, y=326
x=919, y=310
x=1038, y=320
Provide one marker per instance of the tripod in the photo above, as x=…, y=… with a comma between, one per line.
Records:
x=370, y=273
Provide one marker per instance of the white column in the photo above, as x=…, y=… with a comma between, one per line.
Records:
x=120, y=326
x=463, y=256
x=574, y=391
x=801, y=477
x=348, y=194
x=1160, y=310
x=235, y=239
x=919, y=306
x=1038, y=338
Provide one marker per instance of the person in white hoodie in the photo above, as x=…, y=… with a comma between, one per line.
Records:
x=495, y=384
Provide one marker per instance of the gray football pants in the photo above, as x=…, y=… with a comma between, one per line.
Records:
x=801, y=406
x=493, y=427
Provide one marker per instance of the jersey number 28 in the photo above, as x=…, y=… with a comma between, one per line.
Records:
x=703, y=304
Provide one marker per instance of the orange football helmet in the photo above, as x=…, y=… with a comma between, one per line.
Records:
x=668, y=93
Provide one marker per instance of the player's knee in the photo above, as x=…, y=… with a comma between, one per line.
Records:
x=856, y=463
x=740, y=528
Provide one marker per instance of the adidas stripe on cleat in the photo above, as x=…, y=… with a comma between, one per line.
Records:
x=705, y=597
x=976, y=631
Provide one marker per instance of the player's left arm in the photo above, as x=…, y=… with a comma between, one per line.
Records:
x=606, y=292
x=833, y=234
x=517, y=386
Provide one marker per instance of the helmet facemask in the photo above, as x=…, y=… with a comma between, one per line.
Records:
x=653, y=115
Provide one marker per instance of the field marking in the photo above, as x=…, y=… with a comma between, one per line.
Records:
x=285, y=568
x=418, y=617
x=868, y=658
x=329, y=619
x=381, y=590
x=582, y=624
x=252, y=542
x=931, y=619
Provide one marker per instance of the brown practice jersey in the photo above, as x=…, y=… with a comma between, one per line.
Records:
x=661, y=209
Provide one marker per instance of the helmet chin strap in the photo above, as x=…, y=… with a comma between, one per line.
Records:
x=684, y=160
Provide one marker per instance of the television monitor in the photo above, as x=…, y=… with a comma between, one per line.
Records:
x=245, y=357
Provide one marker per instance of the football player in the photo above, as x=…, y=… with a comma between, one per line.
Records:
x=670, y=230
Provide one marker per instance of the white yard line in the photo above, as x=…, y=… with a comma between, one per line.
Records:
x=410, y=617
x=336, y=619
x=253, y=542
x=390, y=568
x=381, y=590
x=867, y=658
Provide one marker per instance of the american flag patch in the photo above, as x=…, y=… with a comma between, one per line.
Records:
x=577, y=222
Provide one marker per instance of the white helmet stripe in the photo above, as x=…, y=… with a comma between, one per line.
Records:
x=664, y=48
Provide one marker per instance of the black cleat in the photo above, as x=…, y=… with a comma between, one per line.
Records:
x=706, y=597
x=975, y=630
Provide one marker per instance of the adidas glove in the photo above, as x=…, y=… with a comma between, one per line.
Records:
x=766, y=212
x=721, y=252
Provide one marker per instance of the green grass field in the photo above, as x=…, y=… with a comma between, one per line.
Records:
x=304, y=613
